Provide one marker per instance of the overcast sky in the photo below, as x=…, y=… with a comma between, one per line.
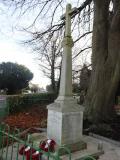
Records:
x=11, y=49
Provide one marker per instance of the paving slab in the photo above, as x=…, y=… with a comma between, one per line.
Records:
x=9, y=150
x=111, y=151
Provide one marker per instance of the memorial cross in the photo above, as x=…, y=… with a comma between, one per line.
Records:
x=65, y=118
x=66, y=73
x=67, y=17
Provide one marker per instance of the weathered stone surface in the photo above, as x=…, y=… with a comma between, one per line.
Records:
x=65, y=104
x=65, y=128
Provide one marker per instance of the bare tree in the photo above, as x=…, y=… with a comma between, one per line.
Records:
x=49, y=59
x=48, y=13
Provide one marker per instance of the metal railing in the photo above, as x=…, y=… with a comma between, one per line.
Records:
x=11, y=142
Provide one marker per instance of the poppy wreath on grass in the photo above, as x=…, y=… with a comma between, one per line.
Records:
x=31, y=153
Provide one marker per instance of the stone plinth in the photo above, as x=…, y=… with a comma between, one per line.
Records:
x=64, y=127
x=65, y=123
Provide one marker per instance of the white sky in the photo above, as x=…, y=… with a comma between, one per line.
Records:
x=11, y=50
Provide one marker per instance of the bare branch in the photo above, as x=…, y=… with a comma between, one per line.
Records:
x=46, y=68
x=59, y=2
x=81, y=52
x=83, y=36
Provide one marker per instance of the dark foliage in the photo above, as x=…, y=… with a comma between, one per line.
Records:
x=17, y=103
x=14, y=77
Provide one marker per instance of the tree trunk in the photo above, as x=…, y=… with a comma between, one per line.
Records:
x=53, y=69
x=105, y=76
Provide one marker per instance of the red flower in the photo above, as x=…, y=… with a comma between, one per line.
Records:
x=22, y=150
x=48, y=145
x=27, y=151
x=36, y=155
x=31, y=153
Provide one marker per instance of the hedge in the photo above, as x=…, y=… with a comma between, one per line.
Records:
x=17, y=103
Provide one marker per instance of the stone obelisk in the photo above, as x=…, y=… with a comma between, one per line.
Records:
x=65, y=116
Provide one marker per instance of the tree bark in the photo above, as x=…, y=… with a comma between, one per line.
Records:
x=105, y=77
x=53, y=69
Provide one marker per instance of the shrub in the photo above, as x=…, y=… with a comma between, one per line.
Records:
x=17, y=103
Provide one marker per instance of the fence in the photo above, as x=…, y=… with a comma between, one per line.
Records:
x=11, y=142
